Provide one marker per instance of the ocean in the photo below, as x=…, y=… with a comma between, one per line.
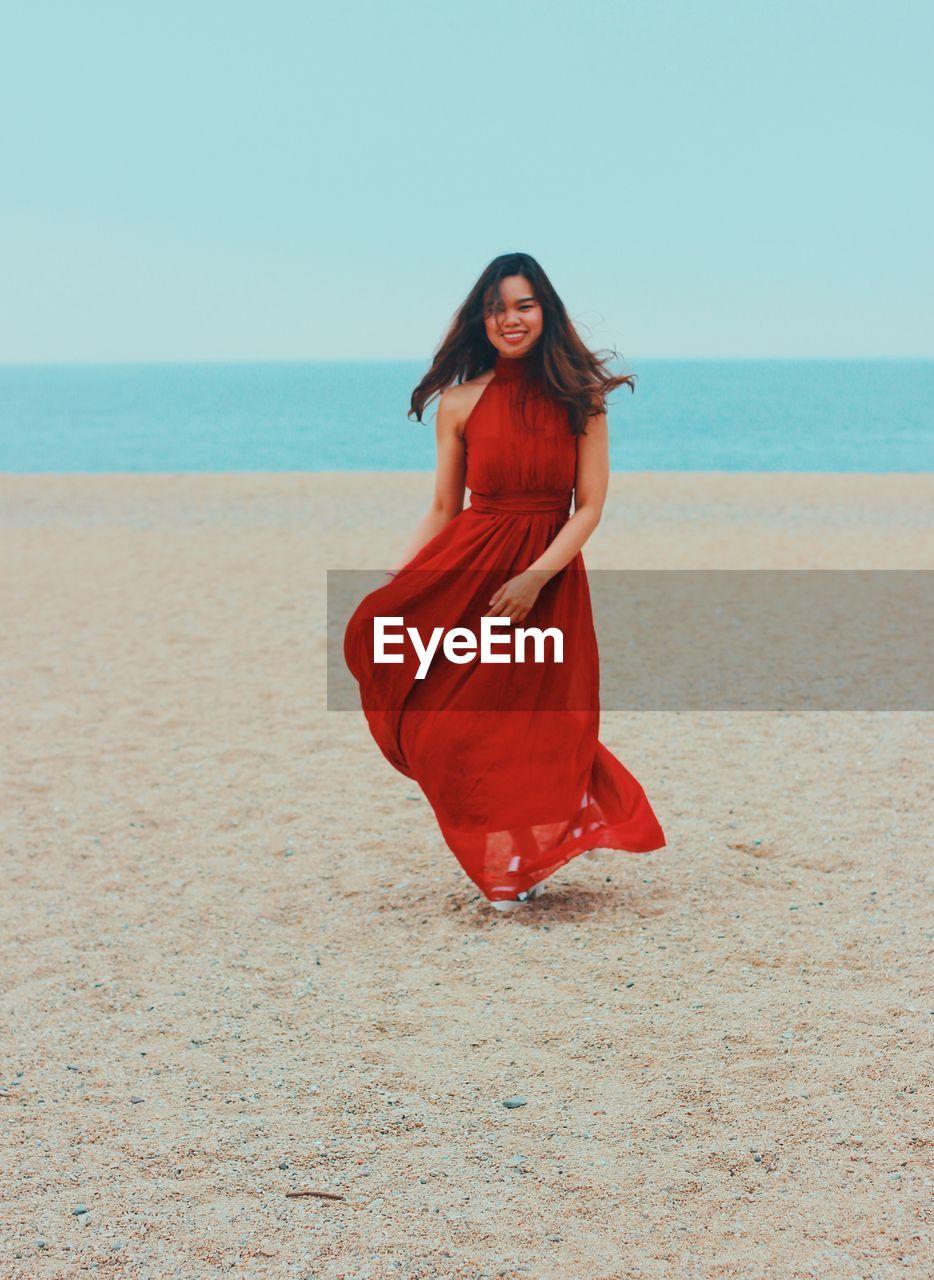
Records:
x=685, y=415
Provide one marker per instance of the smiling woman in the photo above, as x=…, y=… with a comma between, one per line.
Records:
x=507, y=755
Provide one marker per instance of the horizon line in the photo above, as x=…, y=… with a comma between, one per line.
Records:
x=305, y=360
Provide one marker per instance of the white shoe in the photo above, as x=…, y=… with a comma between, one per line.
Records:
x=527, y=895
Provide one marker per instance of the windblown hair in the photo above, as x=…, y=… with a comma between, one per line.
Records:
x=560, y=365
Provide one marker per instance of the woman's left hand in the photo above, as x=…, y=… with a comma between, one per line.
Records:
x=515, y=598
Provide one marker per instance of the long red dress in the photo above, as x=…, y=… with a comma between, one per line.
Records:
x=507, y=755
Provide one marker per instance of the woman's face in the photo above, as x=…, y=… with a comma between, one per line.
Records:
x=517, y=328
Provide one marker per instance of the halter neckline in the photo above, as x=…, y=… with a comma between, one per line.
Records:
x=510, y=368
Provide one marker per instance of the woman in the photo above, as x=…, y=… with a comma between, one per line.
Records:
x=506, y=751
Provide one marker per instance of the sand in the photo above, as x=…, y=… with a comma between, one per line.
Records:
x=237, y=960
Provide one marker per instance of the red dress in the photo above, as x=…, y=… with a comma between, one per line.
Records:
x=507, y=755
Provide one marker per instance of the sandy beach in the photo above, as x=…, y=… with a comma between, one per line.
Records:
x=238, y=961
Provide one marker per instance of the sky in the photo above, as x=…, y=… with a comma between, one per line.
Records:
x=288, y=180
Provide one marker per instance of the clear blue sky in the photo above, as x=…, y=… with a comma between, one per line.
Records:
x=288, y=180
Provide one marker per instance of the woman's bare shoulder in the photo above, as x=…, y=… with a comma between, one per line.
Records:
x=458, y=400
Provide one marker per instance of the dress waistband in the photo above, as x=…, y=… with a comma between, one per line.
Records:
x=522, y=501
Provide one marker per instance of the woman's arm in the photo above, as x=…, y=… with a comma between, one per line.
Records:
x=450, y=476
x=590, y=485
x=592, y=478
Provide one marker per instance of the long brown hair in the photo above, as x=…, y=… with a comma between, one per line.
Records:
x=563, y=368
